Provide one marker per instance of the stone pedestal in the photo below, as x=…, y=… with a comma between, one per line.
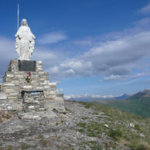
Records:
x=38, y=94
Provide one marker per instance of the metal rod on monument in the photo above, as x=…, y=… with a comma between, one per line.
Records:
x=18, y=17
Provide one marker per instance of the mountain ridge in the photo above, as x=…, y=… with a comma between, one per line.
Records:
x=138, y=103
x=88, y=98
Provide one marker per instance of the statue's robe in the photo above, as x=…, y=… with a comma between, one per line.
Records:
x=24, y=42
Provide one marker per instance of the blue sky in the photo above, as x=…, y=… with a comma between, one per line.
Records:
x=87, y=46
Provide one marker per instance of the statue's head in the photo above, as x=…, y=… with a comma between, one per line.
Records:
x=24, y=22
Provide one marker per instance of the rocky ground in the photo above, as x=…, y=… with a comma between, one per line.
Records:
x=84, y=127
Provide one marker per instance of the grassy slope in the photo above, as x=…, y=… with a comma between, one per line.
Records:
x=136, y=105
x=118, y=127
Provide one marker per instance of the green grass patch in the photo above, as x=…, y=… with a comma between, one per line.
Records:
x=24, y=146
x=10, y=147
x=94, y=145
x=41, y=136
x=115, y=134
x=82, y=124
x=137, y=127
x=68, y=110
x=88, y=105
x=139, y=147
x=84, y=118
x=44, y=143
x=55, y=110
x=81, y=130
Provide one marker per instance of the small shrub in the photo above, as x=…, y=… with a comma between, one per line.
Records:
x=84, y=118
x=95, y=113
x=41, y=136
x=68, y=110
x=141, y=147
x=115, y=134
x=94, y=145
x=7, y=116
x=40, y=124
x=92, y=134
x=93, y=142
x=54, y=110
x=82, y=124
x=88, y=105
x=138, y=147
x=81, y=130
x=44, y=143
x=137, y=127
x=10, y=147
x=24, y=146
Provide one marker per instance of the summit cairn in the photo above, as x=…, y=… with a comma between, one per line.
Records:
x=26, y=88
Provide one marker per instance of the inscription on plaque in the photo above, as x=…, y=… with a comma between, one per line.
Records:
x=27, y=65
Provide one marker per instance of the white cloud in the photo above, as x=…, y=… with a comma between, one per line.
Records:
x=145, y=10
x=124, y=77
x=60, y=90
x=53, y=37
x=113, y=57
x=113, y=78
x=54, y=70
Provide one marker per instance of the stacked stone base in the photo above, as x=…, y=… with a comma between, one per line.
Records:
x=36, y=96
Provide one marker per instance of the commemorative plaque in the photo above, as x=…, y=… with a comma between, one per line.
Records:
x=27, y=65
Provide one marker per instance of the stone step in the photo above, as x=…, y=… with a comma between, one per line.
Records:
x=30, y=117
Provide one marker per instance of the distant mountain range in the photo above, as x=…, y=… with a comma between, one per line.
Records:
x=144, y=93
x=138, y=103
x=88, y=98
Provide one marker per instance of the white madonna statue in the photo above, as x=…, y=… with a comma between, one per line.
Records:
x=24, y=41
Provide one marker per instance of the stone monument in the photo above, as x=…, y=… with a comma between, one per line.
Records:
x=26, y=88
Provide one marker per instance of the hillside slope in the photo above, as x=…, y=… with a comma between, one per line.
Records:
x=138, y=104
x=86, y=126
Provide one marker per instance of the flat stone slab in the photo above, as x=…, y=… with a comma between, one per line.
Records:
x=3, y=96
x=9, y=84
x=37, y=115
x=29, y=117
x=27, y=87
